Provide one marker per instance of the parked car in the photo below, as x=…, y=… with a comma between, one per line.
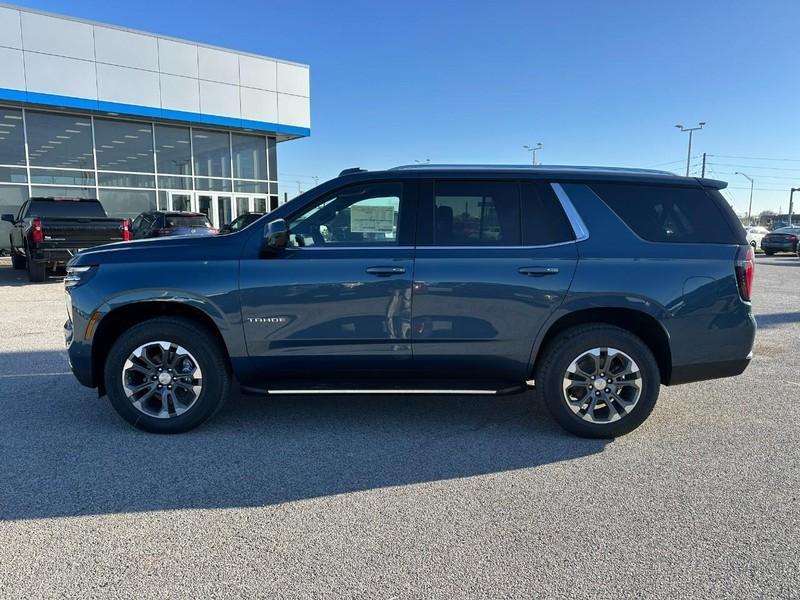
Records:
x=241, y=222
x=47, y=232
x=159, y=223
x=780, y=240
x=596, y=285
x=755, y=235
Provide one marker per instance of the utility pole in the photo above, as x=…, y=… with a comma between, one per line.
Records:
x=691, y=130
x=533, y=149
x=791, y=204
x=750, y=206
x=703, y=172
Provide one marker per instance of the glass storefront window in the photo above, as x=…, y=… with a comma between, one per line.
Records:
x=212, y=185
x=249, y=156
x=11, y=175
x=53, y=176
x=127, y=204
x=11, y=198
x=59, y=140
x=126, y=180
x=63, y=192
x=273, y=159
x=12, y=137
x=123, y=146
x=173, y=182
x=173, y=150
x=212, y=153
x=260, y=204
x=250, y=187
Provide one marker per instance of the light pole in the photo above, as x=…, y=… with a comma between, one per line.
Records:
x=750, y=206
x=690, y=130
x=791, y=205
x=533, y=149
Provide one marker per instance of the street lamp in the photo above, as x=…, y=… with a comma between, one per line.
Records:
x=791, y=193
x=750, y=206
x=690, y=130
x=533, y=149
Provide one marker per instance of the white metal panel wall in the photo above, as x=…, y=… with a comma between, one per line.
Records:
x=78, y=59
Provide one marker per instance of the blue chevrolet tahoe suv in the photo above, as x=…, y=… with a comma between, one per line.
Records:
x=593, y=285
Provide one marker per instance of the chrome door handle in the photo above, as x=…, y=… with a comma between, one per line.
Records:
x=538, y=271
x=383, y=271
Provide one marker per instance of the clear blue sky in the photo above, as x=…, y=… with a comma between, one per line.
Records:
x=598, y=82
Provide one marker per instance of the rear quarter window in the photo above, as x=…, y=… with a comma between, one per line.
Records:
x=672, y=214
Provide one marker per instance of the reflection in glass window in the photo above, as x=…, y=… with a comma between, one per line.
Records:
x=242, y=206
x=126, y=180
x=12, y=175
x=212, y=153
x=12, y=137
x=260, y=204
x=273, y=159
x=250, y=187
x=127, y=204
x=59, y=140
x=358, y=214
x=249, y=156
x=123, y=146
x=173, y=150
x=11, y=198
x=63, y=192
x=476, y=213
x=53, y=176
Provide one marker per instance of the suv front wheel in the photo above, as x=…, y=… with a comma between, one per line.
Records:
x=598, y=381
x=167, y=375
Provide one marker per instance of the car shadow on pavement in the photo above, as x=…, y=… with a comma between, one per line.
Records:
x=65, y=452
x=769, y=320
x=19, y=277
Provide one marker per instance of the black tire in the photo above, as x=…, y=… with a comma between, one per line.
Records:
x=18, y=261
x=567, y=347
x=37, y=271
x=203, y=347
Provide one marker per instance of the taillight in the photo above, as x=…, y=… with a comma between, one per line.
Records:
x=745, y=269
x=37, y=233
x=126, y=232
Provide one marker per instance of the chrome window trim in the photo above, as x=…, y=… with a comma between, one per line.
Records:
x=575, y=220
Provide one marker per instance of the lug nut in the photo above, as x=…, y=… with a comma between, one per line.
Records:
x=607, y=390
x=160, y=386
x=592, y=377
x=597, y=393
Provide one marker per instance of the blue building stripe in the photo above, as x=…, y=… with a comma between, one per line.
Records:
x=148, y=111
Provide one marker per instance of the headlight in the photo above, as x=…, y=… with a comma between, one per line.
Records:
x=78, y=275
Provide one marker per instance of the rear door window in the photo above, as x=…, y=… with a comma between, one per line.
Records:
x=543, y=219
x=669, y=214
x=476, y=213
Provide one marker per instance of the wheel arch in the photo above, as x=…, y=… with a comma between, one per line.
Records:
x=125, y=316
x=641, y=324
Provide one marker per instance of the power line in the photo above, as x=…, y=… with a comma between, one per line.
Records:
x=754, y=157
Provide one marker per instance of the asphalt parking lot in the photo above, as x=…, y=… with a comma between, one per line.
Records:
x=399, y=497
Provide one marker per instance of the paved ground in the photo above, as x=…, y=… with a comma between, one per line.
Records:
x=397, y=497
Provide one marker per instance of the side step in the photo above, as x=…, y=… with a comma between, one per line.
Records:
x=303, y=389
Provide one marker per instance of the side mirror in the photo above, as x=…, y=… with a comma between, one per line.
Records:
x=9, y=218
x=276, y=234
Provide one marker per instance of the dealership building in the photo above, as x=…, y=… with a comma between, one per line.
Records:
x=140, y=121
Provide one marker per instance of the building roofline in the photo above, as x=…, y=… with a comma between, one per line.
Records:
x=147, y=33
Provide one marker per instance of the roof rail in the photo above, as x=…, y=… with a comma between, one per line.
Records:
x=543, y=168
x=352, y=170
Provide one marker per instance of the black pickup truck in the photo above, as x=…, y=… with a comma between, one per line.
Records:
x=47, y=232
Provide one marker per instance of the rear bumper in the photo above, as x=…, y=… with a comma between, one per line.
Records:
x=59, y=256
x=710, y=370
x=779, y=246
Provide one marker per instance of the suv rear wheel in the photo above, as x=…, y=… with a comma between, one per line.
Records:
x=167, y=375
x=598, y=381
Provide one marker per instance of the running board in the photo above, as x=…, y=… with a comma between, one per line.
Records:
x=289, y=390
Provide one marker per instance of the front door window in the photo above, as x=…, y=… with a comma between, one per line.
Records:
x=364, y=214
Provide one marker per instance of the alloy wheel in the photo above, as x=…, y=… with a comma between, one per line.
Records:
x=162, y=379
x=602, y=385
